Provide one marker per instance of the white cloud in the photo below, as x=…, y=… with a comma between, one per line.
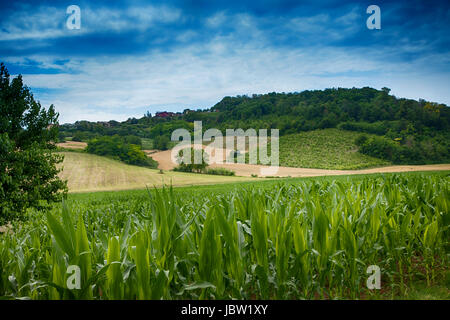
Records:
x=217, y=19
x=132, y=18
x=43, y=22
x=117, y=88
x=199, y=75
x=49, y=22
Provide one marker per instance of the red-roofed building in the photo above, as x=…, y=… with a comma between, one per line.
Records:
x=164, y=114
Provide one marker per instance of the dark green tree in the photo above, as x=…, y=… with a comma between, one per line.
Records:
x=119, y=148
x=28, y=167
x=161, y=143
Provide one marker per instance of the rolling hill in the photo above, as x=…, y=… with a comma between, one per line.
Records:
x=407, y=131
x=86, y=172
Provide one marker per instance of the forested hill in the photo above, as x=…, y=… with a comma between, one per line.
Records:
x=308, y=110
x=409, y=130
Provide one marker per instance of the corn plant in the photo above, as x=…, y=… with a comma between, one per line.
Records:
x=297, y=239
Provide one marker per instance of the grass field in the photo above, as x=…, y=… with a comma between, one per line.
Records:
x=325, y=149
x=86, y=172
x=307, y=238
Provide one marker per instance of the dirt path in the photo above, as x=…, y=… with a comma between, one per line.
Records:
x=163, y=158
x=246, y=170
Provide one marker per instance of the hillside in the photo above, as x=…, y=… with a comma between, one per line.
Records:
x=86, y=172
x=407, y=131
x=325, y=149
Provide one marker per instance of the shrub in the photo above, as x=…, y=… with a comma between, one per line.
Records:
x=133, y=140
x=117, y=148
x=378, y=127
x=220, y=172
x=361, y=139
x=161, y=143
x=81, y=136
x=431, y=150
x=380, y=147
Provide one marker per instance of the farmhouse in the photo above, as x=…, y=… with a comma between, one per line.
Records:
x=164, y=114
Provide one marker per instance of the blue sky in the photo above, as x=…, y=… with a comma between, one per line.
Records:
x=133, y=56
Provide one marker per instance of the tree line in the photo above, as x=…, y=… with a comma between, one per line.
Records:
x=418, y=130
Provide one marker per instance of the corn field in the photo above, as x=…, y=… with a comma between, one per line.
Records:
x=302, y=240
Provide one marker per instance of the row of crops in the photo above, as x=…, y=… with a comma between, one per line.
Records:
x=309, y=239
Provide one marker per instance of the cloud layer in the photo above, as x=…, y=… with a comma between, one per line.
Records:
x=127, y=59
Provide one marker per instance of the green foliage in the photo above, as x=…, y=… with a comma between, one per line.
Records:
x=61, y=137
x=378, y=127
x=220, y=171
x=166, y=127
x=402, y=143
x=318, y=109
x=419, y=124
x=132, y=140
x=361, y=139
x=83, y=136
x=135, y=155
x=147, y=144
x=119, y=148
x=28, y=169
x=404, y=152
x=161, y=142
x=299, y=239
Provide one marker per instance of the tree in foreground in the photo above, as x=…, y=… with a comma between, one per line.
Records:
x=28, y=167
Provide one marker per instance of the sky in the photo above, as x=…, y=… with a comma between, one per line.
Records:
x=129, y=57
